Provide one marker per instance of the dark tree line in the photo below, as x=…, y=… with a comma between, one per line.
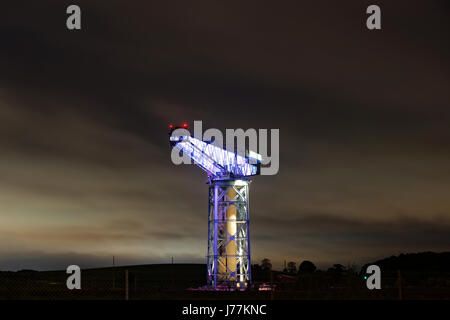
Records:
x=416, y=269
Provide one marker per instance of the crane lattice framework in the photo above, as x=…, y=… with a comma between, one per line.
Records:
x=228, y=256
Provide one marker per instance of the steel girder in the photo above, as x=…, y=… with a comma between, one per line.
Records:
x=228, y=257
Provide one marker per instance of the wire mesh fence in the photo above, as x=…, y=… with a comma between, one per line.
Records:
x=122, y=284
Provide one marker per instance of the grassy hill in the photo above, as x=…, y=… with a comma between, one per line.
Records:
x=424, y=275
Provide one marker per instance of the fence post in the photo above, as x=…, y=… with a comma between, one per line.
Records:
x=271, y=285
x=126, y=285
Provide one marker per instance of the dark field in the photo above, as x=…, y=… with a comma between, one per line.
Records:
x=172, y=282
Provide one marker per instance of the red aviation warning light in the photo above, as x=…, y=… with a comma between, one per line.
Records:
x=172, y=127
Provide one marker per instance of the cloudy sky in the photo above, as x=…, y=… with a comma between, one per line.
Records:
x=85, y=168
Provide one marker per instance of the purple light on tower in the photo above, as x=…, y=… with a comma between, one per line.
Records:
x=228, y=255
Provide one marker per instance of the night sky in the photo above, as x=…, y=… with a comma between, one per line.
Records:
x=364, y=119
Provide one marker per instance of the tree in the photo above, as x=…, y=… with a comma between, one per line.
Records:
x=291, y=267
x=266, y=264
x=337, y=268
x=306, y=267
x=336, y=271
x=256, y=267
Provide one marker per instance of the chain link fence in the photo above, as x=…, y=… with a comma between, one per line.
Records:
x=183, y=282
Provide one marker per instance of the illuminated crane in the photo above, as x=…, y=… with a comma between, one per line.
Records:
x=228, y=256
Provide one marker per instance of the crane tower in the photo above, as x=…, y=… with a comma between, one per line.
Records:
x=228, y=255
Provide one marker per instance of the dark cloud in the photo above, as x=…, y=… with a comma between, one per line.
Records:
x=363, y=118
x=403, y=231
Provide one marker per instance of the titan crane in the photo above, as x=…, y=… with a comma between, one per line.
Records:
x=228, y=255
